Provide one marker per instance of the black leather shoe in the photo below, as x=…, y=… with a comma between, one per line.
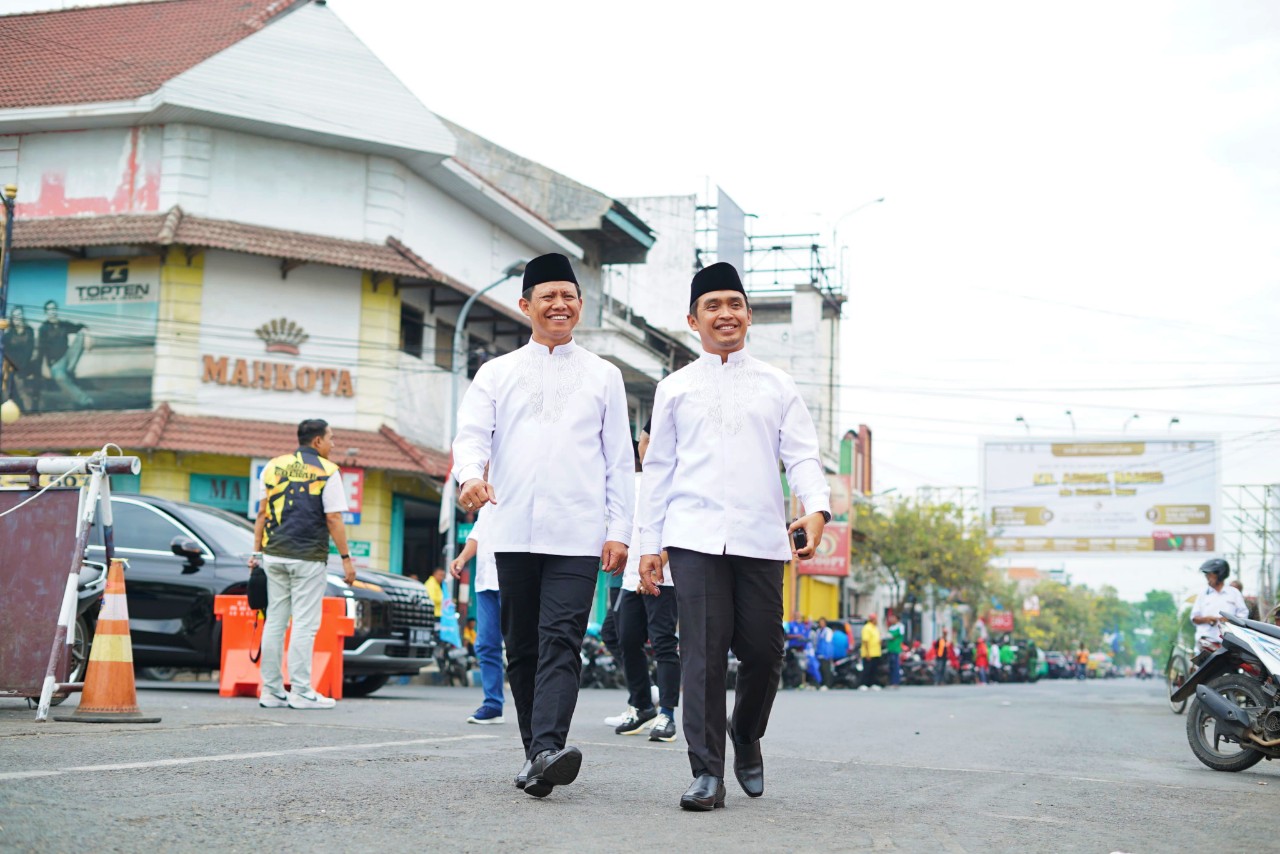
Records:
x=552, y=768
x=706, y=794
x=524, y=773
x=748, y=767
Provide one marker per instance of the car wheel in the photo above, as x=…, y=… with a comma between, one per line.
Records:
x=363, y=686
x=158, y=674
x=79, y=655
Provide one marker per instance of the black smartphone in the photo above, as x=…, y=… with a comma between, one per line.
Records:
x=799, y=538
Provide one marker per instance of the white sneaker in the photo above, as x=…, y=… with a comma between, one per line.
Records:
x=273, y=701
x=616, y=720
x=875, y=687
x=314, y=700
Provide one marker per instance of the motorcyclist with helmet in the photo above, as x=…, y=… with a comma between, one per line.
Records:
x=1219, y=596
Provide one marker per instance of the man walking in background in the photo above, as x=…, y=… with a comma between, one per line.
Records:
x=870, y=654
x=893, y=649
x=488, y=640
x=301, y=509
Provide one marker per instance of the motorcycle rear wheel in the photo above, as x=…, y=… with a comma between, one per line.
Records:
x=1202, y=728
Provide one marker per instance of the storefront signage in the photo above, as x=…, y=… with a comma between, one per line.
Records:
x=279, y=335
x=221, y=491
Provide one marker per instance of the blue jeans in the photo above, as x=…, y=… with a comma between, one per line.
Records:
x=489, y=646
x=895, y=669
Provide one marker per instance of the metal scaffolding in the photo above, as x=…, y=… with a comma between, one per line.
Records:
x=1251, y=538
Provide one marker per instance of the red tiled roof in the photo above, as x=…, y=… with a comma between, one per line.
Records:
x=118, y=53
x=177, y=228
x=162, y=429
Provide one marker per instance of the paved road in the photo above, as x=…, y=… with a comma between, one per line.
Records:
x=1058, y=766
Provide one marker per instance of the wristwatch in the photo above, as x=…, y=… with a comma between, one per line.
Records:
x=826, y=516
x=345, y=557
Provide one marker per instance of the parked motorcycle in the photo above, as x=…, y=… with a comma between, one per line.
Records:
x=599, y=670
x=1234, y=721
x=454, y=663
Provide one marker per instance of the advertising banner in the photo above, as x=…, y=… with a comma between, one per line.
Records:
x=82, y=334
x=1145, y=496
x=832, y=558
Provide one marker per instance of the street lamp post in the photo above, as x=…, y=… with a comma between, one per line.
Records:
x=835, y=247
x=458, y=372
x=8, y=197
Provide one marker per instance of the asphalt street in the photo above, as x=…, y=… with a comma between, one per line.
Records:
x=1058, y=766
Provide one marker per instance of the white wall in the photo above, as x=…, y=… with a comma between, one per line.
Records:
x=242, y=292
x=658, y=290
x=460, y=242
x=108, y=171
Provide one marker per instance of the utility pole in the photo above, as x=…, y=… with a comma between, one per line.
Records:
x=10, y=194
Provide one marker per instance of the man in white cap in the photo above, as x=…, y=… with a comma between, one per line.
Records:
x=711, y=497
x=550, y=422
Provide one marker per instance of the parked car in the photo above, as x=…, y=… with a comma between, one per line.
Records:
x=1059, y=665
x=180, y=556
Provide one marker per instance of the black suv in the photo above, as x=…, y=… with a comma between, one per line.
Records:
x=182, y=555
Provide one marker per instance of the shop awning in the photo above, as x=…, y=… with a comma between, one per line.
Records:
x=391, y=259
x=162, y=429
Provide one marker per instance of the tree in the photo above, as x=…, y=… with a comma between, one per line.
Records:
x=922, y=549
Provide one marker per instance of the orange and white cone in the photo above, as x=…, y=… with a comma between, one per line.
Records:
x=109, y=694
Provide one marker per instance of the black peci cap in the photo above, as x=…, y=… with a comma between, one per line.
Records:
x=720, y=276
x=552, y=267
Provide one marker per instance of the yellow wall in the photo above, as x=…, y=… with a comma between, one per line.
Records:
x=379, y=353
x=816, y=598
x=178, y=338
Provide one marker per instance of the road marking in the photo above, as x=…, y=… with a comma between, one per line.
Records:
x=232, y=757
x=946, y=770
x=1025, y=818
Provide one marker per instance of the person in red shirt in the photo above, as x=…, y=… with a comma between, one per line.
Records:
x=980, y=659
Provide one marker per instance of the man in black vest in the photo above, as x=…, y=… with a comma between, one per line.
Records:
x=301, y=508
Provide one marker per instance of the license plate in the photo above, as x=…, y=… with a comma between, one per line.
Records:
x=419, y=637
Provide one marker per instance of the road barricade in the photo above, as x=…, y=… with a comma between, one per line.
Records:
x=242, y=644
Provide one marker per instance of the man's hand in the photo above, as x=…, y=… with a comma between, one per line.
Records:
x=475, y=494
x=455, y=568
x=349, y=570
x=813, y=525
x=614, y=557
x=253, y=561
x=650, y=575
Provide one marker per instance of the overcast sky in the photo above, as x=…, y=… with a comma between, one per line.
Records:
x=1081, y=207
x=1081, y=198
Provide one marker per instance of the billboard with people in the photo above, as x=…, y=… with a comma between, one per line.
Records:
x=82, y=333
x=1141, y=495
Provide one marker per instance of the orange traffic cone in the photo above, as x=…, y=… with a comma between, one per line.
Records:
x=109, y=694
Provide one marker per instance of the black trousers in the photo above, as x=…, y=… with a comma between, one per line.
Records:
x=609, y=628
x=546, y=601
x=654, y=618
x=727, y=602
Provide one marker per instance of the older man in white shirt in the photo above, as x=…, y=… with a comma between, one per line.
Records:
x=1219, y=596
x=711, y=496
x=550, y=421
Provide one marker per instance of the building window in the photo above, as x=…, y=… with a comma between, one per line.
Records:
x=444, y=345
x=412, y=324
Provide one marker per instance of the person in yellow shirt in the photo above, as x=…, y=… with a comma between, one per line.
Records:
x=435, y=589
x=870, y=654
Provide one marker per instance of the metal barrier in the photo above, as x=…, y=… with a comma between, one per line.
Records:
x=44, y=532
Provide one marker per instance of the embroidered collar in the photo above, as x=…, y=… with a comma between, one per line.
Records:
x=735, y=356
x=560, y=350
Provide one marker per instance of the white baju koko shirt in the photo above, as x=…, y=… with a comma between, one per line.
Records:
x=554, y=431
x=711, y=480
x=1211, y=603
x=631, y=575
x=486, y=564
